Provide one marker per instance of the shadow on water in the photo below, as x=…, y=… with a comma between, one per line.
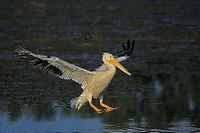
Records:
x=162, y=95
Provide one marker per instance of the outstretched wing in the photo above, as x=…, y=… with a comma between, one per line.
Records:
x=126, y=52
x=57, y=67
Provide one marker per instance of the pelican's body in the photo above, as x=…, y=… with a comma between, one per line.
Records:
x=93, y=83
x=100, y=81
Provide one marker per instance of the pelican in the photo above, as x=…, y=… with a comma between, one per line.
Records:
x=93, y=83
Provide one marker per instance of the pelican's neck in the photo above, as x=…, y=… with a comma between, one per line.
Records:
x=110, y=67
x=107, y=63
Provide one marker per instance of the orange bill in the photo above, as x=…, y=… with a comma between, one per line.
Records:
x=118, y=65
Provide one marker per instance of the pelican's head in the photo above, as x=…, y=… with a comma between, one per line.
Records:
x=110, y=60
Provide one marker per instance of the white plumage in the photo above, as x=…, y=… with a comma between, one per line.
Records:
x=93, y=83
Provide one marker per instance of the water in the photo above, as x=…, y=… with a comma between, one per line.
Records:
x=161, y=96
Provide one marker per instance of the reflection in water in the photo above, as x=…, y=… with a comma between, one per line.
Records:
x=157, y=108
x=60, y=123
x=162, y=95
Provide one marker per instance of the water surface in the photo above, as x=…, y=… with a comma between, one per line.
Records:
x=161, y=96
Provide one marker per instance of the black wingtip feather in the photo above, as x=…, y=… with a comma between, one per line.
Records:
x=39, y=63
x=128, y=44
x=124, y=47
x=127, y=49
x=45, y=66
x=54, y=70
x=132, y=47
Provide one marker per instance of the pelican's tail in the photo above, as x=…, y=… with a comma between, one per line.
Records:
x=78, y=102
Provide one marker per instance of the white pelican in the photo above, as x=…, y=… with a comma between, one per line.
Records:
x=93, y=83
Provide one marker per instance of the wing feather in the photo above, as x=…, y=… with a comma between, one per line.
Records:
x=57, y=67
x=126, y=52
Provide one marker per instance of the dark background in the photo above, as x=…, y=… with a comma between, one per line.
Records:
x=161, y=95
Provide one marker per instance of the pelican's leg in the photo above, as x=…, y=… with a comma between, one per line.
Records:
x=107, y=108
x=94, y=107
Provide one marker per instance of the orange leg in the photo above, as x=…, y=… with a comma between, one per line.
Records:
x=107, y=108
x=95, y=108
